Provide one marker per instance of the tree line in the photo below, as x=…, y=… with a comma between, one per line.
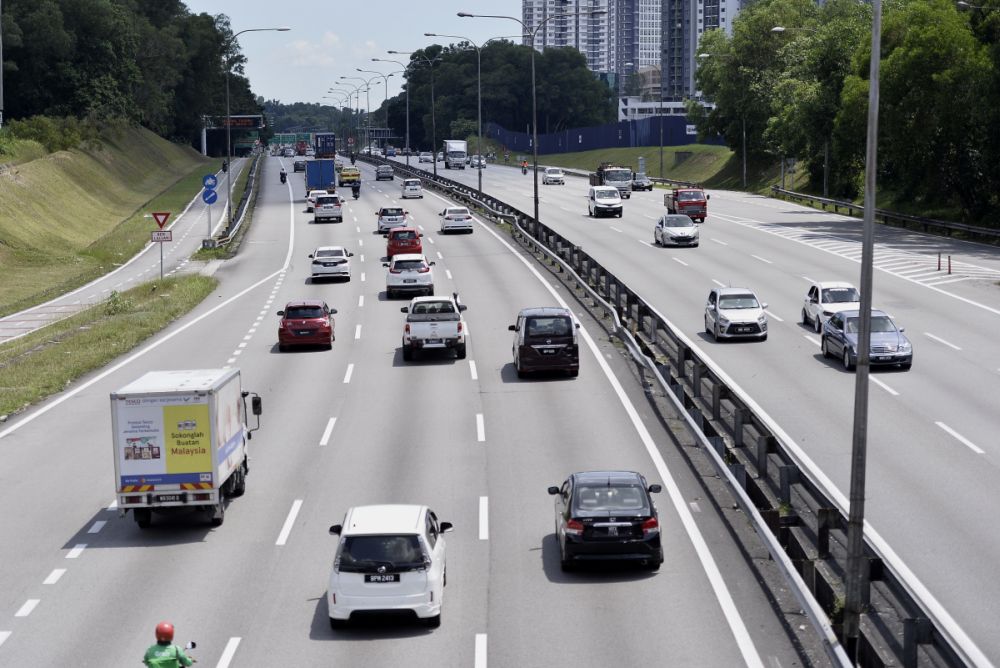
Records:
x=802, y=91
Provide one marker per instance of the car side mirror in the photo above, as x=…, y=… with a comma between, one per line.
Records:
x=445, y=527
x=420, y=234
x=553, y=490
x=441, y=214
x=654, y=489
x=577, y=325
x=902, y=329
x=333, y=311
x=256, y=405
x=281, y=313
x=707, y=197
x=310, y=255
x=350, y=254
x=763, y=305
x=385, y=235
x=512, y=328
x=430, y=264
x=405, y=309
x=336, y=529
x=385, y=264
x=462, y=307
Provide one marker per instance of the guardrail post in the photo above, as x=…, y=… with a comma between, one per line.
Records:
x=740, y=473
x=788, y=476
x=740, y=416
x=681, y=361
x=717, y=393
x=696, y=369
x=697, y=417
x=916, y=632
x=826, y=520
x=719, y=444
x=765, y=445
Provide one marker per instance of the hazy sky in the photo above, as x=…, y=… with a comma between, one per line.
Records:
x=329, y=39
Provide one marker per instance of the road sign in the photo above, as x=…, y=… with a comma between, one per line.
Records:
x=209, y=196
x=350, y=141
x=161, y=218
x=162, y=235
x=209, y=181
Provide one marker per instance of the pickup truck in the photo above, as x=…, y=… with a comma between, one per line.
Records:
x=693, y=202
x=434, y=323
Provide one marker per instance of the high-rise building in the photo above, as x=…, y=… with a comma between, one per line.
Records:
x=683, y=23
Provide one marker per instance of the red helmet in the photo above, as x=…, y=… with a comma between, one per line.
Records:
x=164, y=632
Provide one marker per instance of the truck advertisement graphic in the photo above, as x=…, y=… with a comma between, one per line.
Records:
x=164, y=443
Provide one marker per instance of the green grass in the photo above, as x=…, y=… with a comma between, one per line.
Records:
x=45, y=362
x=695, y=162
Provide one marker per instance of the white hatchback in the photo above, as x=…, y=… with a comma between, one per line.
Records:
x=412, y=188
x=456, y=219
x=553, y=175
x=390, y=558
x=409, y=273
x=826, y=298
x=331, y=262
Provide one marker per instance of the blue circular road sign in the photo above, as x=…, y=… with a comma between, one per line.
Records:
x=209, y=196
x=209, y=181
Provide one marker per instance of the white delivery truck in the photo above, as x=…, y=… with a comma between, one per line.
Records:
x=180, y=441
x=455, y=153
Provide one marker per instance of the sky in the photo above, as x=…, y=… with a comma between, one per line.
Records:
x=332, y=38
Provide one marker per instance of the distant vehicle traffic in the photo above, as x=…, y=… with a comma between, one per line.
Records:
x=321, y=175
x=426, y=156
x=311, y=199
x=299, y=166
x=735, y=313
x=306, y=322
x=455, y=151
x=348, y=176
x=384, y=173
x=609, y=174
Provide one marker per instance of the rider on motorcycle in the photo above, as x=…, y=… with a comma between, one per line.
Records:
x=284, y=175
x=356, y=189
x=165, y=654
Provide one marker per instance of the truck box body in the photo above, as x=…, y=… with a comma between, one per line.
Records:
x=321, y=175
x=325, y=145
x=178, y=437
x=455, y=153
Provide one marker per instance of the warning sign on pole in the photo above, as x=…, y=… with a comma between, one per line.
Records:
x=161, y=218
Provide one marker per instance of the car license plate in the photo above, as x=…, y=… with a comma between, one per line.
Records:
x=548, y=351
x=166, y=498
x=432, y=341
x=381, y=577
x=409, y=280
x=882, y=358
x=744, y=330
x=304, y=332
x=329, y=264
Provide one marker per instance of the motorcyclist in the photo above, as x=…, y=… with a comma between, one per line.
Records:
x=524, y=166
x=352, y=158
x=165, y=654
x=225, y=165
x=284, y=175
x=356, y=189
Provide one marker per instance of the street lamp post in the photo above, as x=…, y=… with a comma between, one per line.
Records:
x=430, y=64
x=368, y=110
x=404, y=71
x=534, y=97
x=385, y=78
x=355, y=121
x=347, y=93
x=229, y=120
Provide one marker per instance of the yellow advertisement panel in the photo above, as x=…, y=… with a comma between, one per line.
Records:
x=187, y=439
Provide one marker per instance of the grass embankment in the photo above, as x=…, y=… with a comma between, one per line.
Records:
x=71, y=216
x=695, y=162
x=45, y=362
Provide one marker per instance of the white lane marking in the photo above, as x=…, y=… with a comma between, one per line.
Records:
x=719, y=283
x=228, y=653
x=286, y=528
x=951, y=280
x=361, y=301
x=430, y=239
x=440, y=257
x=350, y=370
x=720, y=242
x=761, y=259
x=421, y=227
x=263, y=313
x=679, y=261
x=357, y=227
x=247, y=337
x=242, y=345
x=940, y=340
x=96, y=526
x=113, y=505
x=472, y=370
x=362, y=277
x=357, y=332
x=809, y=280
x=646, y=243
x=6, y=634
x=811, y=339
x=362, y=256
x=883, y=386
x=484, y=518
x=695, y=507
x=54, y=576
x=614, y=228
x=480, y=428
x=231, y=360
x=237, y=352
x=361, y=242
x=447, y=272
x=962, y=439
x=76, y=551
x=252, y=331
x=480, y=661
x=326, y=432
x=774, y=316
x=28, y=606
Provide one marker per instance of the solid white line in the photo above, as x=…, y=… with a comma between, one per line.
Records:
x=361, y=301
x=719, y=283
x=808, y=280
x=357, y=332
x=28, y=606
x=350, y=370
x=771, y=315
x=113, y=505
x=326, y=432
x=963, y=440
x=286, y=528
x=940, y=340
x=761, y=259
x=484, y=518
x=811, y=339
x=96, y=526
x=883, y=386
x=76, y=551
x=6, y=634
x=480, y=650
x=679, y=261
x=472, y=370
x=54, y=576
x=951, y=280
x=447, y=272
x=480, y=428
x=228, y=653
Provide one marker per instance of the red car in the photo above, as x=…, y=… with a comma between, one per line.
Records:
x=306, y=322
x=403, y=241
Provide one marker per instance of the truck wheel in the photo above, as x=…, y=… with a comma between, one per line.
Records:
x=240, y=484
x=460, y=352
x=218, y=514
x=143, y=517
x=407, y=354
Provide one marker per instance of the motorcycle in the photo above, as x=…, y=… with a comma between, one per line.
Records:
x=284, y=177
x=356, y=192
x=524, y=170
x=191, y=645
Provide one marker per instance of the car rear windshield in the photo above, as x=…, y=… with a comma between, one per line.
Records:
x=840, y=295
x=409, y=264
x=738, y=301
x=433, y=307
x=549, y=326
x=304, y=312
x=334, y=252
x=364, y=553
x=615, y=496
x=409, y=183
x=458, y=212
x=403, y=234
x=324, y=200
x=392, y=212
x=689, y=196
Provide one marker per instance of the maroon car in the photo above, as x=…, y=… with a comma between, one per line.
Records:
x=306, y=322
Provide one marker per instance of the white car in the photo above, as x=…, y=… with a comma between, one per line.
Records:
x=409, y=273
x=331, y=262
x=426, y=156
x=328, y=206
x=311, y=198
x=553, y=175
x=735, y=313
x=676, y=229
x=477, y=162
x=390, y=558
x=826, y=298
x=390, y=217
x=456, y=219
x=412, y=188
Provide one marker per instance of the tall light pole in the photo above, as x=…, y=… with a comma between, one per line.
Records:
x=534, y=101
x=355, y=122
x=339, y=103
x=229, y=123
x=385, y=78
x=368, y=109
x=347, y=126
x=1, y=66
x=430, y=64
x=404, y=71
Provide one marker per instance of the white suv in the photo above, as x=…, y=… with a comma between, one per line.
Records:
x=409, y=273
x=328, y=206
x=390, y=558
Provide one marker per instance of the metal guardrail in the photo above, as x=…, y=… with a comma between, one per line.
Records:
x=794, y=507
x=241, y=208
x=928, y=225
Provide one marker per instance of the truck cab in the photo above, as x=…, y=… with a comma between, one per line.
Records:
x=692, y=202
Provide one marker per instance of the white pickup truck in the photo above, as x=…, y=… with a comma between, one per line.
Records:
x=434, y=323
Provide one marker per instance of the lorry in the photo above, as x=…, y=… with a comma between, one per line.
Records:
x=692, y=201
x=180, y=442
x=455, y=152
x=610, y=174
x=321, y=175
x=434, y=323
x=325, y=145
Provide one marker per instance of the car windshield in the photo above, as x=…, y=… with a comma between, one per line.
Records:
x=433, y=307
x=302, y=312
x=880, y=323
x=549, y=326
x=392, y=212
x=840, y=295
x=554, y=172
x=677, y=221
x=364, y=553
x=408, y=265
x=738, y=301
x=689, y=196
x=332, y=252
x=404, y=234
x=615, y=497
x=607, y=194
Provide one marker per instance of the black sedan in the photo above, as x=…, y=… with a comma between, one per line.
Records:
x=299, y=166
x=607, y=515
x=641, y=182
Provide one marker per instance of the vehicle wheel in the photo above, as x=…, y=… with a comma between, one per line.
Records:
x=240, y=486
x=433, y=622
x=656, y=240
x=460, y=352
x=573, y=373
x=708, y=330
x=337, y=624
x=620, y=213
x=219, y=517
x=143, y=517
x=764, y=338
x=565, y=565
x=590, y=213
x=407, y=354
x=715, y=331
x=847, y=360
x=694, y=245
x=282, y=348
x=823, y=348
x=390, y=294
x=818, y=325
x=805, y=317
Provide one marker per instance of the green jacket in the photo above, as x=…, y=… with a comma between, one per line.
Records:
x=166, y=656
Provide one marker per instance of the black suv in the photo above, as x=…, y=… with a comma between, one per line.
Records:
x=545, y=340
x=299, y=166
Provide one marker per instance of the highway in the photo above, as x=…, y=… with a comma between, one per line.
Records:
x=933, y=450
x=353, y=426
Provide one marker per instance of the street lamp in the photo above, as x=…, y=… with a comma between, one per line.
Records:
x=229, y=122
x=430, y=64
x=356, y=92
x=743, y=119
x=368, y=110
x=534, y=101
x=385, y=78
x=404, y=71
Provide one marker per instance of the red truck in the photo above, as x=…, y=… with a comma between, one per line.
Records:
x=690, y=201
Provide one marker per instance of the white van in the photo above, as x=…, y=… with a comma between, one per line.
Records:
x=604, y=201
x=412, y=188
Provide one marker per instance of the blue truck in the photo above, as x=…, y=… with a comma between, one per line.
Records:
x=321, y=175
x=325, y=144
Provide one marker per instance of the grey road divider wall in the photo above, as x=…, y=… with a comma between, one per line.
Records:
x=796, y=510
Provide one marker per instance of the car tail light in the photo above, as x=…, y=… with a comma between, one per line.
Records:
x=395, y=271
x=282, y=324
x=406, y=330
x=574, y=528
x=650, y=527
x=459, y=326
x=204, y=496
x=423, y=270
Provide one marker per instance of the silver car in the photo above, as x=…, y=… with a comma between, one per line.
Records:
x=676, y=229
x=331, y=262
x=553, y=175
x=735, y=313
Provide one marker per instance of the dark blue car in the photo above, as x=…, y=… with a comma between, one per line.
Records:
x=889, y=346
